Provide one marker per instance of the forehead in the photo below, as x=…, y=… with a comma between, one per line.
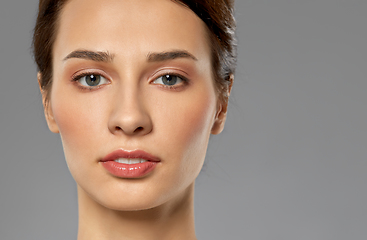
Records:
x=129, y=26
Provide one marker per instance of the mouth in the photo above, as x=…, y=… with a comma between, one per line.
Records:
x=129, y=164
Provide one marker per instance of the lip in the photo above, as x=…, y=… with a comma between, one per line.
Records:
x=123, y=170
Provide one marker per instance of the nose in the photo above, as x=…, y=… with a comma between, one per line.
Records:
x=129, y=116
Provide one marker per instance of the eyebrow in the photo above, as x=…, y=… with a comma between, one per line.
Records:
x=164, y=56
x=90, y=55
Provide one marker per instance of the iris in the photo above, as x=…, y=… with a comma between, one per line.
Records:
x=169, y=79
x=92, y=80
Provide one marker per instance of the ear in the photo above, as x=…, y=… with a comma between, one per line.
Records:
x=221, y=115
x=47, y=108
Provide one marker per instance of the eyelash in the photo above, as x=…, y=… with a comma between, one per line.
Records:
x=77, y=77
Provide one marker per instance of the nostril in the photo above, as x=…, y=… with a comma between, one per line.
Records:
x=139, y=129
x=117, y=128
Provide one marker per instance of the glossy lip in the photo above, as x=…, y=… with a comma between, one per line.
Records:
x=123, y=170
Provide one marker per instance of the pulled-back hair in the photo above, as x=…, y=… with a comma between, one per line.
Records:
x=218, y=16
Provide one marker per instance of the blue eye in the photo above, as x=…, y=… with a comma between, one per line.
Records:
x=91, y=80
x=169, y=80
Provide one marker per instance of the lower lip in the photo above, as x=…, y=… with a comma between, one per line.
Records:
x=123, y=170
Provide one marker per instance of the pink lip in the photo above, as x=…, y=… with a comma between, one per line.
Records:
x=129, y=170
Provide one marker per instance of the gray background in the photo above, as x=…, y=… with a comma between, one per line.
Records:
x=291, y=163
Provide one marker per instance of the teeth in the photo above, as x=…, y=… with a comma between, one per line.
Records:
x=130, y=160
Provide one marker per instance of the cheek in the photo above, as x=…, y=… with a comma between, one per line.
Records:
x=194, y=121
x=78, y=121
x=186, y=124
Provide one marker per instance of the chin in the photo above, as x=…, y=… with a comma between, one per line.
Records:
x=128, y=206
x=128, y=199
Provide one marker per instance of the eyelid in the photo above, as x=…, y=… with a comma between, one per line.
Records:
x=163, y=70
x=85, y=72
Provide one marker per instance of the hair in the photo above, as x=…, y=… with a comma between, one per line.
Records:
x=218, y=16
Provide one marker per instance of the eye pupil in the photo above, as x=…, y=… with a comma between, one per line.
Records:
x=92, y=80
x=169, y=79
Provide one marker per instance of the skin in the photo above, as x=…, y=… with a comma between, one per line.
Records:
x=132, y=109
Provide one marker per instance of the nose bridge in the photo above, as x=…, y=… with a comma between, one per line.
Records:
x=129, y=114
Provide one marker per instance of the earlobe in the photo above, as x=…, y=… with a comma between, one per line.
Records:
x=50, y=120
x=219, y=120
x=221, y=115
x=47, y=108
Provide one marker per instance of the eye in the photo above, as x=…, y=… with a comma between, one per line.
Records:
x=91, y=80
x=169, y=80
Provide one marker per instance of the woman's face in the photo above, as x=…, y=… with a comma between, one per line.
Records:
x=134, y=76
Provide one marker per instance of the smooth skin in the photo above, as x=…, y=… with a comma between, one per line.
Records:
x=124, y=42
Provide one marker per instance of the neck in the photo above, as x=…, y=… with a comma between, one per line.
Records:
x=171, y=220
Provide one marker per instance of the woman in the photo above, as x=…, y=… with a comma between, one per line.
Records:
x=135, y=89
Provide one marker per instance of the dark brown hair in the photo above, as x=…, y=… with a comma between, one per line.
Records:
x=218, y=16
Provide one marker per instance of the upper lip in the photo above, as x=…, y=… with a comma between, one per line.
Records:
x=121, y=153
